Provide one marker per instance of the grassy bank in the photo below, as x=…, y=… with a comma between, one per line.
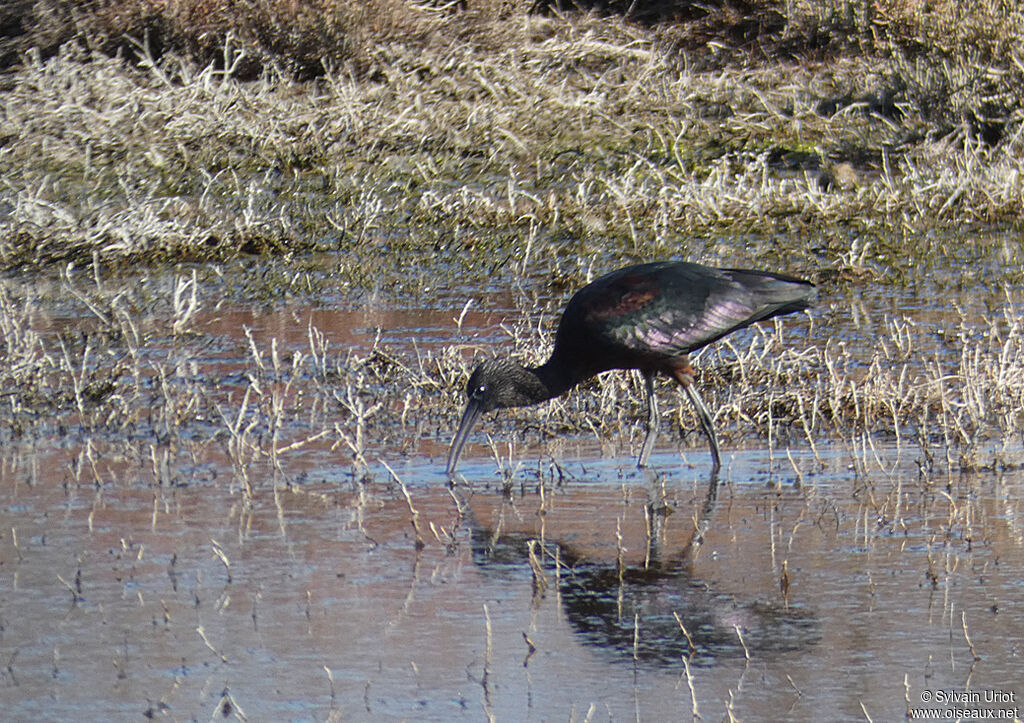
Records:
x=470, y=131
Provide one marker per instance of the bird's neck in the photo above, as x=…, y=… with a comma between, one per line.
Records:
x=519, y=386
x=554, y=378
x=523, y=386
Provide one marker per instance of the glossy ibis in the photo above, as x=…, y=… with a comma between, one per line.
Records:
x=647, y=317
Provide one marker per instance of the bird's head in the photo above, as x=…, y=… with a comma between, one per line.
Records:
x=494, y=384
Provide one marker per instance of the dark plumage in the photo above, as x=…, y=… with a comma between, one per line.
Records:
x=647, y=317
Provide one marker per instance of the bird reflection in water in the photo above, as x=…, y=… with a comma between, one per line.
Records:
x=657, y=613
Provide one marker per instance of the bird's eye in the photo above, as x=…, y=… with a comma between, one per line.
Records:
x=480, y=391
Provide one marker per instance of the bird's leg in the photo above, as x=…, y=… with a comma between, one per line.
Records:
x=685, y=376
x=707, y=424
x=652, y=418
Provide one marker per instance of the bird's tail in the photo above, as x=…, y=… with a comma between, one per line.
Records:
x=774, y=294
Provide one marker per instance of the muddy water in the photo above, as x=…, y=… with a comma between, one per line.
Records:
x=815, y=589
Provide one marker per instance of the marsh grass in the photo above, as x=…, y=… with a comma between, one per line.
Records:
x=468, y=133
x=126, y=385
x=519, y=145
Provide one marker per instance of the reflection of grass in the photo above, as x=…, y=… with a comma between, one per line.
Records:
x=590, y=135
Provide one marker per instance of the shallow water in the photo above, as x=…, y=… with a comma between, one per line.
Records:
x=833, y=585
x=122, y=601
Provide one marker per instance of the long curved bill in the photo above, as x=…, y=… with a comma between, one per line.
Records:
x=469, y=417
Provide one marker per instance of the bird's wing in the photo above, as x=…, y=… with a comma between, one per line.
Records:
x=666, y=310
x=668, y=329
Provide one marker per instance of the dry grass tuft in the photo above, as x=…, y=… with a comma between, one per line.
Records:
x=304, y=37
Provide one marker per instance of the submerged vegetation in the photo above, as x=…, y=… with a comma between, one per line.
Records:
x=164, y=392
